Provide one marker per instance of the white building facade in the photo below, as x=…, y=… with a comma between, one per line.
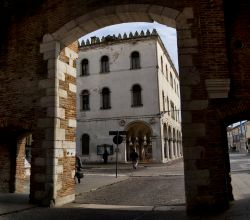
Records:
x=238, y=137
x=128, y=83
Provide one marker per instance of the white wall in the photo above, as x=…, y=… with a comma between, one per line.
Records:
x=120, y=80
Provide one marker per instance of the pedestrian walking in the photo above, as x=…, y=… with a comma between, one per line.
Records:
x=78, y=166
x=134, y=157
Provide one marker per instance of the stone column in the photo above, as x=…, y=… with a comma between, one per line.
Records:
x=155, y=152
x=167, y=148
x=122, y=152
x=204, y=168
x=174, y=149
x=164, y=153
x=53, y=153
x=171, y=149
x=178, y=148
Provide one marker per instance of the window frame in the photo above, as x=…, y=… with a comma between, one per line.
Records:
x=104, y=64
x=105, y=99
x=85, y=149
x=86, y=72
x=87, y=105
x=166, y=67
x=172, y=109
x=135, y=61
x=171, y=80
x=163, y=102
x=136, y=97
x=162, y=66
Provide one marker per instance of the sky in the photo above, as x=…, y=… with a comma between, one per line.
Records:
x=167, y=34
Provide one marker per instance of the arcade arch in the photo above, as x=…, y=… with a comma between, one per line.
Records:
x=57, y=47
x=172, y=142
x=139, y=138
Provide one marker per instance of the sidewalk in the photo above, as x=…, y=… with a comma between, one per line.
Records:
x=239, y=211
x=14, y=202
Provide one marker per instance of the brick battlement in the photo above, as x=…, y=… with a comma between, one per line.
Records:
x=113, y=38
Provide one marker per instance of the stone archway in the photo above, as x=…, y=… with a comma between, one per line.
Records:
x=13, y=134
x=60, y=53
x=49, y=89
x=227, y=115
x=213, y=51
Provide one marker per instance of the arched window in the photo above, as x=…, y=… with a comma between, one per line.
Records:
x=167, y=71
x=163, y=101
x=104, y=64
x=85, y=144
x=135, y=60
x=136, y=96
x=175, y=113
x=171, y=80
x=162, y=65
x=168, y=109
x=85, y=100
x=85, y=67
x=105, y=98
x=172, y=109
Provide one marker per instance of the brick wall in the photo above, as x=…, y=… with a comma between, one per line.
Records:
x=5, y=168
x=20, y=162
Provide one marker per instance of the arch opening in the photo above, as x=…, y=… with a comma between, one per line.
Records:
x=65, y=60
x=139, y=138
x=237, y=150
x=15, y=148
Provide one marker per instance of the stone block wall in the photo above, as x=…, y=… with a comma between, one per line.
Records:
x=67, y=104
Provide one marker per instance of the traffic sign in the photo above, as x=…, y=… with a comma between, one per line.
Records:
x=117, y=139
x=113, y=132
x=117, y=132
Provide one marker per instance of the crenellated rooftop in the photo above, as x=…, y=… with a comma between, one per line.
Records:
x=111, y=38
x=96, y=41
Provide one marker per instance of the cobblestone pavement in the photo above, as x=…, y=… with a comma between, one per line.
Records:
x=139, y=191
x=148, y=185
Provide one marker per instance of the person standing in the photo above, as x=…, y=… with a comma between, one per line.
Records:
x=134, y=157
x=105, y=156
